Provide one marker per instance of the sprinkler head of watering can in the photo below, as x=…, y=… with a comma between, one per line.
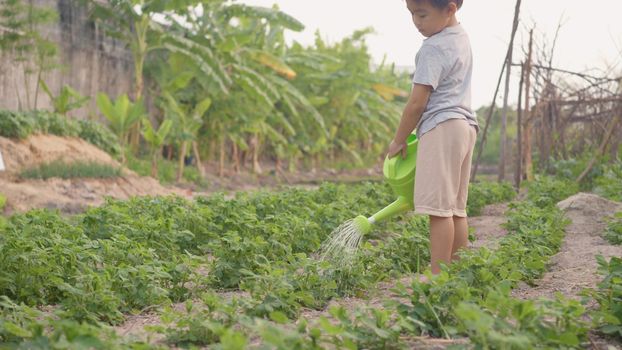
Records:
x=362, y=224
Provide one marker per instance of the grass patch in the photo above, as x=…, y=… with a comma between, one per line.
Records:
x=64, y=170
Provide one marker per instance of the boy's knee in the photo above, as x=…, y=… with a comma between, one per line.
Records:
x=440, y=218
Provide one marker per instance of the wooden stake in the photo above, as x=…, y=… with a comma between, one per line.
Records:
x=494, y=98
x=519, y=134
x=527, y=161
x=504, y=115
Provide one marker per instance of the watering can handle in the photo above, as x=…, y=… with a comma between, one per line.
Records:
x=392, y=165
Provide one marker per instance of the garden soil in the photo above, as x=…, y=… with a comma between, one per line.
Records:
x=574, y=267
x=69, y=196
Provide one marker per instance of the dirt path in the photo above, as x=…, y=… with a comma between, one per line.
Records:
x=574, y=267
x=487, y=227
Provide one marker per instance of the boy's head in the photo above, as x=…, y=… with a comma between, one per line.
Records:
x=432, y=16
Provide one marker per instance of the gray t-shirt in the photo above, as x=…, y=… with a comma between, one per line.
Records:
x=445, y=63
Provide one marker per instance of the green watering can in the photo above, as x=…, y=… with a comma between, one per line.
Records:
x=400, y=175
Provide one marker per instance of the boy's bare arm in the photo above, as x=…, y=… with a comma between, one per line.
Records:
x=410, y=117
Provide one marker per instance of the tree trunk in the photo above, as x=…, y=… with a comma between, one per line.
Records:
x=195, y=149
x=278, y=164
x=236, y=158
x=519, y=133
x=154, y=163
x=181, y=163
x=256, y=144
x=26, y=85
x=527, y=161
x=169, y=152
x=37, y=88
x=221, y=168
x=20, y=103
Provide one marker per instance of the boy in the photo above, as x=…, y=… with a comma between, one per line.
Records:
x=440, y=108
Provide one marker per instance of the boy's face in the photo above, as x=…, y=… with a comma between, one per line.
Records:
x=428, y=19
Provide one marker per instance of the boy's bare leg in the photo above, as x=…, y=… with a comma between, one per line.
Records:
x=461, y=236
x=441, y=241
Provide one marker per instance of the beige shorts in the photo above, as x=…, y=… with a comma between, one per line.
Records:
x=444, y=169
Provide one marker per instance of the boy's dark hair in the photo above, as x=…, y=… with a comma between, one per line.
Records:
x=441, y=4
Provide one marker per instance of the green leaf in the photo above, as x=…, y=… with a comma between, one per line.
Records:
x=202, y=107
x=16, y=330
x=279, y=317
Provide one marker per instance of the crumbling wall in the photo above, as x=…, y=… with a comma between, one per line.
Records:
x=90, y=62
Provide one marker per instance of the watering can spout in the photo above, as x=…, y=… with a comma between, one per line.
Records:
x=399, y=206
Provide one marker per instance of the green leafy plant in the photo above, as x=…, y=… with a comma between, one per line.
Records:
x=156, y=139
x=22, y=124
x=100, y=136
x=608, y=317
x=484, y=193
x=613, y=233
x=15, y=124
x=68, y=99
x=547, y=190
x=609, y=185
x=187, y=122
x=2, y=202
x=121, y=114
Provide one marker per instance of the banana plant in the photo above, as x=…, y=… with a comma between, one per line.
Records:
x=361, y=105
x=122, y=115
x=132, y=22
x=155, y=139
x=187, y=121
x=68, y=99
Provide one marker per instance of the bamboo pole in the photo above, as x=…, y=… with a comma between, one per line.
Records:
x=519, y=134
x=527, y=161
x=494, y=99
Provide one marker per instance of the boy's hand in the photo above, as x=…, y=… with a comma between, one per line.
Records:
x=395, y=148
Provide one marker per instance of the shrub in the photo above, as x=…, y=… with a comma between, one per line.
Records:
x=16, y=125
x=100, y=136
x=21, y=125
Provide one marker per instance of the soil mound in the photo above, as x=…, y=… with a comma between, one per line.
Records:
x=72, y=195
x=37, y=149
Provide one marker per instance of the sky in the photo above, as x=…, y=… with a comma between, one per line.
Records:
x=590, y=38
